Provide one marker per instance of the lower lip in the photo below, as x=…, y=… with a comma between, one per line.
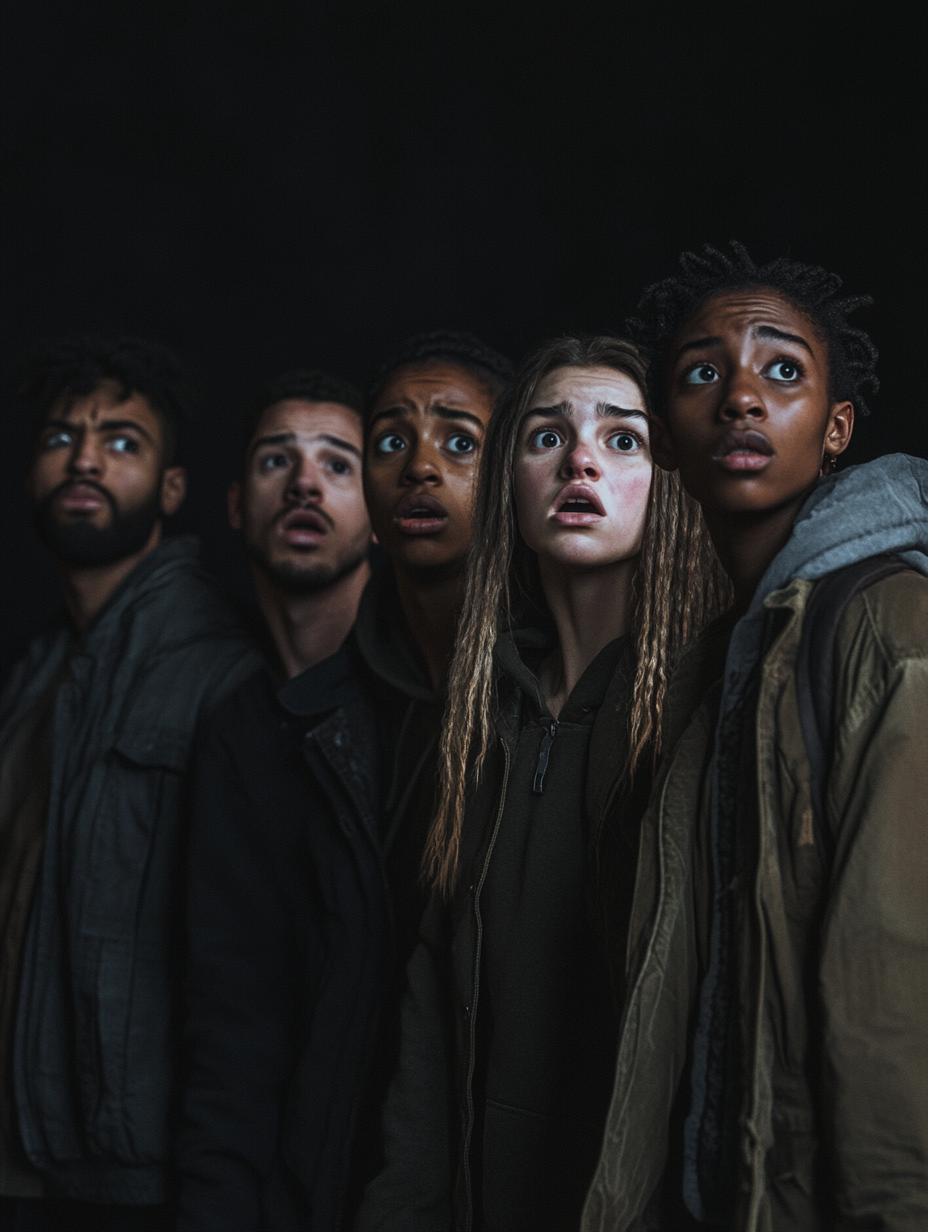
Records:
x=420, y=526
x=80, y=504
x=577, y=519
x=303, y=537
x=744, y=461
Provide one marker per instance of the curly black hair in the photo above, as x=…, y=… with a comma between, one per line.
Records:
x=666, y=305
x=307, y=384
x=77, y=364
x=463, y=350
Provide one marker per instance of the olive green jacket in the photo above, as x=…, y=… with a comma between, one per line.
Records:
x=833, y=964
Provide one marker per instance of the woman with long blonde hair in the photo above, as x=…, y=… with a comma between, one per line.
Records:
x=590, y=571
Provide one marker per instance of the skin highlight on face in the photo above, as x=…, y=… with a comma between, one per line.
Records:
x=98, y=481
x=424, y=438
x=301, y=507
x=750, y=413
x=583, y=469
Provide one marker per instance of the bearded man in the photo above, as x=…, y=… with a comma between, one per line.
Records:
x=96, y=724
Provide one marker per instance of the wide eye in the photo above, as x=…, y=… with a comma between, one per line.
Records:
x=391, y=443
x=124, y=444
x=274, y=461
x=624, y=442
x=58, y=440
x=702, y=374
x=784, y=370
x=462, y=442
x=546, y=438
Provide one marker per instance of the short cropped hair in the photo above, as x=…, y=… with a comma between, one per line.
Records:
x=666, y=305
x=75, y=365
x=306, y=384
x=445, y=346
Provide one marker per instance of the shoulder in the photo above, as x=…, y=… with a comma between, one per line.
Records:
x=887, y=623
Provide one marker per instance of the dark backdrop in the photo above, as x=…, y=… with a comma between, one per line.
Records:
x=266, y=183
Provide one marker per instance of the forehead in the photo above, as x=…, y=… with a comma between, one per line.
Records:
x=104, y=403
x=588, y=387
x=309, y=420
x=437, y=383
x=732, y=315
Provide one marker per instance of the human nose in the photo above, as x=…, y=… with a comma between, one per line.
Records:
x=743, y=399
x=304, y=482
x=85, y=456
x=421, y=465
x=580, y=463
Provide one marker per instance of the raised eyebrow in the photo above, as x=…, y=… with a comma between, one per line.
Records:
x=287, y=438
x=701, y=344
x=779, y=335
x=120, y=425
x=340, y=444
x=564, y=409
x=620, y=412
x=455, y=412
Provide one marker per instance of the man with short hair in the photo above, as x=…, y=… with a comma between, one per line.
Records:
x=315, y=786
x=772, y=1068
x=96, y=724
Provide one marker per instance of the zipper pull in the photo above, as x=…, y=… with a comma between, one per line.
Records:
x=544, y=754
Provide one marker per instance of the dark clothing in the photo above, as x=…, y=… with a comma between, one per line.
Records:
x=510, y=1025
x=95, y=1020
x=25, y=775
x=295, y=869
x=66, y=1215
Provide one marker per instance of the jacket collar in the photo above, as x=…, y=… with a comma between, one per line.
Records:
x=324, y=686
x=384, y=640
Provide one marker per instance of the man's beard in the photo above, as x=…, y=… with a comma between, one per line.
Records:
x=82, y=545
x=306, y=579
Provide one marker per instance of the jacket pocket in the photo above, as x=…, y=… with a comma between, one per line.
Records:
x=166, y=747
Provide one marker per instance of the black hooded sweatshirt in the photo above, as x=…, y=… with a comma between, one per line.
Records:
x=495, y=1117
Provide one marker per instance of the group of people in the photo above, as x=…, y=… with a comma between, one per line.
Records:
x=548, y=853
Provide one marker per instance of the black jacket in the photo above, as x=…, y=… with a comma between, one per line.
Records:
x=95, y=1048
x=302, y=887
x=495, y=1117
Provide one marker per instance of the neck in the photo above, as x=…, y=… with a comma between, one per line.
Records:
x=746, y=543
x=309, y=628
x=590, y=609
x=431, y=601
x=87, y=590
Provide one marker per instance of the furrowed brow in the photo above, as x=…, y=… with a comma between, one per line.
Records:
x=455, y=412
x=778, y=335
x=275, y=438
x=120, y=425
x=620, y=412
x=700, y=344
x=340, y=444
x=561, y=408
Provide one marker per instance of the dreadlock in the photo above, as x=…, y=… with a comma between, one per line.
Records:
x=666, y=305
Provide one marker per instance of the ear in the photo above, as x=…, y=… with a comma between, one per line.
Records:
x=662, y=450
x=839, y=429
x=234, y=504
x=173, y=489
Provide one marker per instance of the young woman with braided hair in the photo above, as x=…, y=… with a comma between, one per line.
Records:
x=590, y=570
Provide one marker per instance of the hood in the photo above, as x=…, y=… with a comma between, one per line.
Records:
x=881, y=506
x=384, y=641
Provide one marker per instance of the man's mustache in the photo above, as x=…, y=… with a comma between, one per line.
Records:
x=108, y=496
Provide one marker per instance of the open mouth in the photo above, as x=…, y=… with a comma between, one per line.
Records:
x=80, y=498
x=418, y=514
x=578, y=505
x=740, y=452
x=303, y=528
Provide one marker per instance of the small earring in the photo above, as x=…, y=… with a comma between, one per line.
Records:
x=829, y=463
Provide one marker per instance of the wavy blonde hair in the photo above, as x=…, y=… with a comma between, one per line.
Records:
x=679, y=588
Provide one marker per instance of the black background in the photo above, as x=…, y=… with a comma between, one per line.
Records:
x=270, y=184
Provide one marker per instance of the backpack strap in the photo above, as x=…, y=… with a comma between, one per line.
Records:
x=815, y=677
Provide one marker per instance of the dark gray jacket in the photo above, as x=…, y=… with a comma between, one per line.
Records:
x=94, y=1049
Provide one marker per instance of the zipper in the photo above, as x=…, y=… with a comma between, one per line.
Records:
x=544, y=756
x=472, y=1036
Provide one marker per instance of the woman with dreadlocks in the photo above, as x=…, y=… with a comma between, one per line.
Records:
x=772, y=1069
x=591, y=570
